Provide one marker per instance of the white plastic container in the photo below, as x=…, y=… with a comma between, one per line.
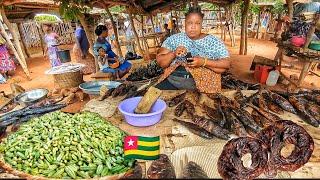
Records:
x=273, y=78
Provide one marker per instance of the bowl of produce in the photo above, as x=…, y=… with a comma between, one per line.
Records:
x=31, y=97
x=93, y=87
x=128, y=106
x=315, y=45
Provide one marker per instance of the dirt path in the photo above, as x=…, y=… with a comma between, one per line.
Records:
x=240, y=66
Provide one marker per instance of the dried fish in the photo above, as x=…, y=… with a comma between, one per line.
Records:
x=260, y=119
x=307, y=117
x=211, y=127
x=239, y=96
x=230, y=165
x=246, y=119
x=135, y=173
x=268, y=115
x=193, y=171
x=271, y=105
x=282, y=102
x=180, y=109
x=161, y=168
x=216, y=115
x=190, y=108
x=177, y=99
x=195, y=129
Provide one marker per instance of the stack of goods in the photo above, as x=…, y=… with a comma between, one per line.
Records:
x=19, y=116
x=297, y=28
x=266, y=152
x=125, y=90
x=229, y=82
x=67, y=95
x=229, y=116
x=60, y=145
x=152, y=70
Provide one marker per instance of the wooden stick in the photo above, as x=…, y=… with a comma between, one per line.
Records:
x=144, y=39
x=22, y=40
x=6, y=36
x=115, y=30
x=243, y=26
x=135, y=33
x=90, y=39
x=15, y=37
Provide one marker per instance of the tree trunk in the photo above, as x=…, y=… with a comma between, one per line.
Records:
x=90, y=39
x=246, y=38
x=220, y=19
x=135, y=33
x=22, y=40
x=290, y=8
x=233, y=23
x=14, y=35
x=259, y=24
x=243, y=26
x=6, y=36
x=115, y=30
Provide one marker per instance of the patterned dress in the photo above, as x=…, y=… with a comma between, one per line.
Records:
x=211, y=47
x=6, y=62
x=50, y=40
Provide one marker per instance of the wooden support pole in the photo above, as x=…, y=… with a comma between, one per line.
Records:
x=41, y=35
x=311, y=31
x=246, y=38
x=144, y=39
x=259, y=24
x=233, y=23
x=220, y=22
x=290, y=8
x=115, y=30
x=243, y=26
x=14, y=35
x=22, y=40
x=135, y=33
x=6, y=36
x=84, y=24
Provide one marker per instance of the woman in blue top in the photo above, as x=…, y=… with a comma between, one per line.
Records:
x=101, y=42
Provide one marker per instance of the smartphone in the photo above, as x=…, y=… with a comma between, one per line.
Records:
x=189, y=60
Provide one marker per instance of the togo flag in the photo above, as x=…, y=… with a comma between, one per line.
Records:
x=138, y=147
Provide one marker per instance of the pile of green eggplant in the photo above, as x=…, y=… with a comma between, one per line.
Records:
x=61, y=145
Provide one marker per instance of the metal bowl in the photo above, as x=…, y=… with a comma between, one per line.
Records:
x=31, y=97
x=93, y=87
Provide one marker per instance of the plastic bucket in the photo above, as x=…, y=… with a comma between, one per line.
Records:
x=64, y=56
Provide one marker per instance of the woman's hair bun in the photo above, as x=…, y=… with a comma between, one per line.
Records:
x=99, y=29
x=195, y=9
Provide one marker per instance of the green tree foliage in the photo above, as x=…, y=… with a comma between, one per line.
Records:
x=69, y=9
x=46, y=18
x=117, y=9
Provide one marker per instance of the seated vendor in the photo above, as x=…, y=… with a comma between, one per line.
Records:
x=203, y=69
x=109, y=61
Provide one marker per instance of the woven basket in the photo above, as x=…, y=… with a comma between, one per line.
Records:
x=68, y=80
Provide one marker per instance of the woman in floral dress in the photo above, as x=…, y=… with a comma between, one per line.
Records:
x=51, y=40
x=7, y=66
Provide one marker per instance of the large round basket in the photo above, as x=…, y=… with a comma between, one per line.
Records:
x=67, y=75
x=68, y=80
x=24, y=175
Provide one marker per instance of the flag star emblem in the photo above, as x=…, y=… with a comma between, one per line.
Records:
x=130, y=142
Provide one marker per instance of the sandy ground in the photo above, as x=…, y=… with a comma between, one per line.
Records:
x=240, y=66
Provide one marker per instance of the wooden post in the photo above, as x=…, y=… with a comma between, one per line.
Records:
x=84, y=24
x=15, y=37
x=243, y=26
x=115, y=32
x=135, y=33
x=220, y=19
x=259, y=24
x=41, y=35
x=246, y=38
x=311, y=31
x=232, y=24
x=156, y=43
x=6, y=36
x=144, y=39
x=290, y=8
x=22, y=40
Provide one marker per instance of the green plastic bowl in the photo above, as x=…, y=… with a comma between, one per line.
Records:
x=315, y=45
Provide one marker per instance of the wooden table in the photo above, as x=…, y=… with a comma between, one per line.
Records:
x=307, y=56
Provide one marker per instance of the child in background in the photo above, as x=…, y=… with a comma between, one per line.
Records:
x=107, y=64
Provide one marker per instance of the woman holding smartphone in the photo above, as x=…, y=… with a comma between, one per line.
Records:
x=202, y=69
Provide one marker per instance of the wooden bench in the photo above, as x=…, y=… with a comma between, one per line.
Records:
x=102, y=76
